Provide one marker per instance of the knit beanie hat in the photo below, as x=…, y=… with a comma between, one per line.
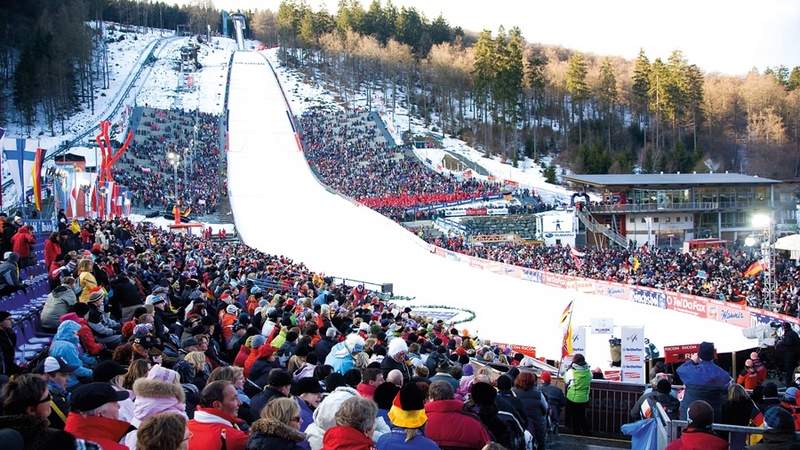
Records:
x=482, y=393
x=408, y=407
x=384, y=394
x=706, y=351
x=397, y=345
x=779, y=419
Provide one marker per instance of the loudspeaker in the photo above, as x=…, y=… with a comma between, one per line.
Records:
x=387, y=288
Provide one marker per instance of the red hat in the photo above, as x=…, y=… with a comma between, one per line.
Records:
x=290, y=302
x=545, y=377
x=460, y=351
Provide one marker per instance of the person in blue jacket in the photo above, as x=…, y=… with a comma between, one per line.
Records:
x=341, y=355
x=67, y=347
x=704, y=380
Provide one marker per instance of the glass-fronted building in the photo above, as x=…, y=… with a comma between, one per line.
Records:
x=671, y=208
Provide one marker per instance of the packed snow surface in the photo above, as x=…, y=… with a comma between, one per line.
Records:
x=280, y=208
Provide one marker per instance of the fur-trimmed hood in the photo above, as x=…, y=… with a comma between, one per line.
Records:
x=145, y=387
x=274, y=428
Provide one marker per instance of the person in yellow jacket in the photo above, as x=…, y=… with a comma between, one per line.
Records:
x=86, y=279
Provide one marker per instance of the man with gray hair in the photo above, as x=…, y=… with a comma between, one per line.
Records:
x=448, y=425
x=95, y=415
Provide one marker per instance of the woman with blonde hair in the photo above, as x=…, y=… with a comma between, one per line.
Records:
x=194, y=369
x=278, y=428
x=86, y=278
x=165, y=431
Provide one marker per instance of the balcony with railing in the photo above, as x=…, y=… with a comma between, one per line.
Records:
x=676, y=206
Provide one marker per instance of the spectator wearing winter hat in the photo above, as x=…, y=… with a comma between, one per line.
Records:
x=698, y=434
x=227, y=320
x=555, y=398
x=66, y=345
x=278, y=385
x=103, y=327
x=326, y=417
x=323, y=347
x=482, y=403
x=704, y=380
x=261, y=350
x=578, y=379
x=780, y=434
x=160, y=392
x=308, y=393
x=396, y=359
x=408, y=417
x=56, y=372
x=9, y=274
x=95, y=415
x=749, y=377
x=341, y=354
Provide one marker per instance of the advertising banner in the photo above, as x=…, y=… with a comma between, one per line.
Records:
x=579, y=340
x=729, y=313
x=688, y=304
x=679, y=353
x=633, y=355
x=649, y=297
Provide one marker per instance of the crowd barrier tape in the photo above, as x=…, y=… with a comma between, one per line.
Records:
x=705, y=308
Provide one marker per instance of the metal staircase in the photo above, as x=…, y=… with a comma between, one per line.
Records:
x=596, y=227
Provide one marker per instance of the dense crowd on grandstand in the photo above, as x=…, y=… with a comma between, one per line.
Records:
x=713, y=273
x=169, y=341
x=148, y=173
x=349, y=154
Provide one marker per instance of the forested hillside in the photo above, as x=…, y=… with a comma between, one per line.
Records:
x=54, y=60
x=598, y=114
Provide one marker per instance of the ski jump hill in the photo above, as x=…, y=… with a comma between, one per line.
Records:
x=280, y=207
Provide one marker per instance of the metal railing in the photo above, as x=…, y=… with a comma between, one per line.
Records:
x=676, y=206
x=594, y=226
x=610, y=404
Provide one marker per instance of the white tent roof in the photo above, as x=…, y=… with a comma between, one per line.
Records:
x=791, y=243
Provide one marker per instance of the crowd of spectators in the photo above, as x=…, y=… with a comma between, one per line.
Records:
x=149, y=175
x=712, y=273
x=167, y=341
x=347, y=151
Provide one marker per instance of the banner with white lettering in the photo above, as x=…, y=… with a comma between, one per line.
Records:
x=633, y=355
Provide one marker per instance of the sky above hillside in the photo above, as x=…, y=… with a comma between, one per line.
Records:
x=724, y=36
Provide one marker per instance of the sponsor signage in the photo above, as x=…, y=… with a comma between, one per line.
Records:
x=679, y=353
x=688, y=304
x=633, y=355
x=728, y=313
x=579, y=340
x=649, y=297
x=602, y=326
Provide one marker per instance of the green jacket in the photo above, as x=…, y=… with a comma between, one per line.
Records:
x=581, y=380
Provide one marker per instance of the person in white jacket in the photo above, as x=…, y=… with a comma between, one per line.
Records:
x=324, y=417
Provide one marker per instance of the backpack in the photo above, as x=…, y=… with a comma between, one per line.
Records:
x=516, y=432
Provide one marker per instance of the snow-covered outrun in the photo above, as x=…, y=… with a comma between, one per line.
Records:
x=279, y=207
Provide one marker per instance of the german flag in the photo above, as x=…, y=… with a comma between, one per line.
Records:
x=566, y=322
x=754, y=269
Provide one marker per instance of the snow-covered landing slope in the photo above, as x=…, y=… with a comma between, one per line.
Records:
x=280, y=208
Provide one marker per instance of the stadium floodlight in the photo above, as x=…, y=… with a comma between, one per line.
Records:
x=762, y=221
x=750, y=241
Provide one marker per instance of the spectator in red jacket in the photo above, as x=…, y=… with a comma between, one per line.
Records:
x=698, y=434
x=94, y=415
x=448, y=425
x=52, y=249
x=215, y=425
x=88, y=342
x=21, y=244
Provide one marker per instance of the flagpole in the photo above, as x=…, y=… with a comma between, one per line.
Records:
x=561, y=372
